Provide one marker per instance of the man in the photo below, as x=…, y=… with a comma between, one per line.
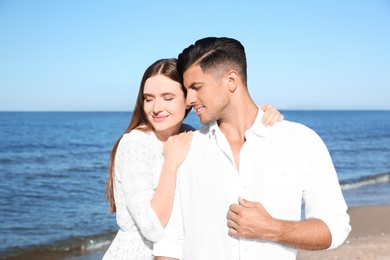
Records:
x=241, y=187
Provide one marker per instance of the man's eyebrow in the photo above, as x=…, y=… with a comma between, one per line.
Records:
x=194, y=84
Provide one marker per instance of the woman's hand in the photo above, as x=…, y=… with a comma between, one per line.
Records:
x=176, y=148
x=271, y=115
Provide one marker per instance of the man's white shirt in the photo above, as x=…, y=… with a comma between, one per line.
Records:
x=280, y=166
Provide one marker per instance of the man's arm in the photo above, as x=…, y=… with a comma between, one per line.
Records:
x=327, y=224
x=250, y=220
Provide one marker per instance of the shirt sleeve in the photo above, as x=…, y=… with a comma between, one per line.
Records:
x=133, y=164
x=322, y=193
x=171, y=245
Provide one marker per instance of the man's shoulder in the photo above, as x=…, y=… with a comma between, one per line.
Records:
x=292, y=136
x=290, y=128
x=286, y=124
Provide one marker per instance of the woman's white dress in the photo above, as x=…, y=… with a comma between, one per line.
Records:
x=138, y=165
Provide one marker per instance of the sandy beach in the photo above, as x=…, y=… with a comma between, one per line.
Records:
x=368, y=240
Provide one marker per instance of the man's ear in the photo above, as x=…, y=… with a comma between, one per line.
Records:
x=232, y=80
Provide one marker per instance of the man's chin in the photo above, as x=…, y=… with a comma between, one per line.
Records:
x=204, y=121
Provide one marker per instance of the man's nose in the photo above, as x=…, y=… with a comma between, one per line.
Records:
x=191, y=97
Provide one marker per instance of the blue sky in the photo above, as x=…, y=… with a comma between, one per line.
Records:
x=90, y=55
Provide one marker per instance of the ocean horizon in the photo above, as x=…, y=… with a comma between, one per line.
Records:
x=53, y=166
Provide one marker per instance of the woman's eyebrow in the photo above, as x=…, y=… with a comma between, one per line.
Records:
x=148, y=95
x=162, y=94
x=168, y=93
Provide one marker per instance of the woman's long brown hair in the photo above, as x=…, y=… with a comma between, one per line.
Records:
x=166, y=67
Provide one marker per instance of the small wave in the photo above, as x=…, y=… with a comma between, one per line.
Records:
x=365, y=181
x=6, y=160
x=77, y=246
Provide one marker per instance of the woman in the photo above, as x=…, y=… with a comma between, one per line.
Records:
x=145, y=159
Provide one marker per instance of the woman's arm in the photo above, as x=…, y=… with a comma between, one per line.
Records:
x=175, y=151
x=134, y=165
x=135, y=183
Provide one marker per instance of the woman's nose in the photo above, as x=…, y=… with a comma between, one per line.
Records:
x=158, y=107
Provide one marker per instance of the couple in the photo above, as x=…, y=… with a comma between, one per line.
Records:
x=238, y=191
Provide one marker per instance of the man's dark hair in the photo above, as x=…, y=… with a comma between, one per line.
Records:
x=215, y=56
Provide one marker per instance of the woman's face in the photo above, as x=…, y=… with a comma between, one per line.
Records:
x=164, y=105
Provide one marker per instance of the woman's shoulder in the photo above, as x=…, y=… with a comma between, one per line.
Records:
x=136, y=133
x=137, y=137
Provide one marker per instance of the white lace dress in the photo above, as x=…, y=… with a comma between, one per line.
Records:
x=138, y=165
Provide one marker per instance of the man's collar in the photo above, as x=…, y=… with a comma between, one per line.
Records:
x=257, y=128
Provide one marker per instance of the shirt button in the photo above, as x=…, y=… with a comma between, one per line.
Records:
x=235, y=244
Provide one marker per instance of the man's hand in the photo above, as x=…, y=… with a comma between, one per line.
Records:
x=250, y=220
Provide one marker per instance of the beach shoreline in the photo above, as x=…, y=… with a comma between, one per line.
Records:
x=368, y=240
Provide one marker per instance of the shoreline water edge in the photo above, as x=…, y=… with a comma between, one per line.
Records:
x=369, y=238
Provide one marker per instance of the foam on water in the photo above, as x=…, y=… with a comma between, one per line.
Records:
x=365, y=181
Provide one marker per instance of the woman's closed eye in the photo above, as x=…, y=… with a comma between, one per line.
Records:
x=169, y=97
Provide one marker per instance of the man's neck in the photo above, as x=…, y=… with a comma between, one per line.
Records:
x=239, y=118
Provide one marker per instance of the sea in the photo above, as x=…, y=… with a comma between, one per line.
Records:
x=53, y=169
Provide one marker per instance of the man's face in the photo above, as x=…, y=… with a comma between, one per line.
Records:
x=207, y=96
